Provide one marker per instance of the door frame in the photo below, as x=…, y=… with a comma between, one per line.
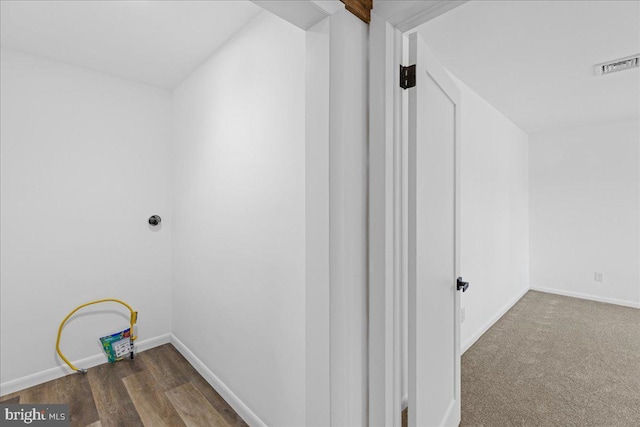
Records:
x=387, y=203
x=336, y=351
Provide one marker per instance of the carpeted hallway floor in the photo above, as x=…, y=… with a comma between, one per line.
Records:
x=555, y=361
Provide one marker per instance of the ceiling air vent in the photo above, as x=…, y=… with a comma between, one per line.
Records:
x=618, y=65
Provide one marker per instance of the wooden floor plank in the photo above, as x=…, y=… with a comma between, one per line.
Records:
x=11, y=400
x=153, y=406
x=157, y=388
x=221, y=405
x=193, y=407
x=172, y=370
x=75, y=390
x=42, y=393
x=112, y=399
x=167, y=367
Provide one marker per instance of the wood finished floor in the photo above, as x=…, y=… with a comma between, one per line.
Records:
x=157, y=388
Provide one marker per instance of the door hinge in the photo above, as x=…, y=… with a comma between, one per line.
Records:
x=407, y=76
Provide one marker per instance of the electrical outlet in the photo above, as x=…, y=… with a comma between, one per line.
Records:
x=463, y=314
x=598, y=277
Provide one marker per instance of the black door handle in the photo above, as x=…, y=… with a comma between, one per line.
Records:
x=462, y=286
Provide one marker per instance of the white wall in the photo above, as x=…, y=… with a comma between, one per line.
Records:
x=85, y=162
x=494, y=213
x=239, y=208
x=585, y=211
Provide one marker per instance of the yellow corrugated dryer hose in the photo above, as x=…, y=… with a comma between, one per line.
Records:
x=134, y=319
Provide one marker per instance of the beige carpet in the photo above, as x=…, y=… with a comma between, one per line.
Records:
x=555, y=361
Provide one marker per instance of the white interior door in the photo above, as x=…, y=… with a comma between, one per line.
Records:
x=433, y=184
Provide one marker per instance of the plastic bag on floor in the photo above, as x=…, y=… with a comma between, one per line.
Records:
x=118, y=345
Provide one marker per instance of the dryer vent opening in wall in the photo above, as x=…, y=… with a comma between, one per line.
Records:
x=618, y=65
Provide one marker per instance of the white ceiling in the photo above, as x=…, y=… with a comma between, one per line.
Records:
x=154, y=42
x=533, y=60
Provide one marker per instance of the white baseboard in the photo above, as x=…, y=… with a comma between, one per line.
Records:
x=62, y=369
x=587, y=297
x=223, y=390
x=475, y=337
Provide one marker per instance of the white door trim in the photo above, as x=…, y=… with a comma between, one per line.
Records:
x=386, y=213
x=321, y=356
x=336, y=210
x=317, y=229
